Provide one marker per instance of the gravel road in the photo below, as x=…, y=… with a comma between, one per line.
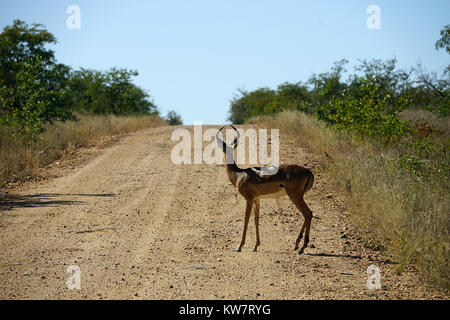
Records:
x=140, y=227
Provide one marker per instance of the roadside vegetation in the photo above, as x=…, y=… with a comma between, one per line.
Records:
x=19, y=160
x=46, y=106
x=385, y=132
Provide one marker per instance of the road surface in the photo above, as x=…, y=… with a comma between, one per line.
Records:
x=140, y=227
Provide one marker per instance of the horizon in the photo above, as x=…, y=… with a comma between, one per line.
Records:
x=193, y=57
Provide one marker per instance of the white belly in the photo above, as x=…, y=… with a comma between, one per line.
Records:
x=279, y=194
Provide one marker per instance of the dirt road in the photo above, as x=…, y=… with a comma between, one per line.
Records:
x=140, y=227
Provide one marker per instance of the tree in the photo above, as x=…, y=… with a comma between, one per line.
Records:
x=288, y=96
x=444, y=41
x=111, y=91
x=173, y=118
x=433, y=90
x=291, y=96
x=31, y=102
x=371, y=113
x=328, y=84
x=392, y=80
x=33, y=87
x=246, y=104
x=20, y=42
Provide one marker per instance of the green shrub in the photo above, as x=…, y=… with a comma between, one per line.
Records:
x=30, y=103
x=369, y=115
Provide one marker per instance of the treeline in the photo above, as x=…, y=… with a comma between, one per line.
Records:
x=35, y=89
x=371, y=104
x=367, y=102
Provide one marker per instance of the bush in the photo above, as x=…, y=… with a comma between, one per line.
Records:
x=369, y=115
x=173, y=119
x=30, y=103
x=109, y=92
x=32, y=89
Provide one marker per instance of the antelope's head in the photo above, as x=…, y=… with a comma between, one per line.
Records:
x=228, y=149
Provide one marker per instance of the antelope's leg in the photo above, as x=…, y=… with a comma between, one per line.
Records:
x=248, y=210
x=256, y=209
x=297, y=199
x=300, y=235
x=308, y=216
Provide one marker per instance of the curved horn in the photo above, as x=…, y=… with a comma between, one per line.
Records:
x=217, y=134
x=238, y=135
x=220, y=142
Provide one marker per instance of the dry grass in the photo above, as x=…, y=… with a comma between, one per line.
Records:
x=409, y=217
x=420, y=116
x=18, y=160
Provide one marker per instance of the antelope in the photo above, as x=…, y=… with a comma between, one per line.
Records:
x=255, y=183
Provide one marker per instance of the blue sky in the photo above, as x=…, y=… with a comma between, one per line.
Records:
x=192, y=56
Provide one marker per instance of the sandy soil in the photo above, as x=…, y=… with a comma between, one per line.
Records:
x=140, y=227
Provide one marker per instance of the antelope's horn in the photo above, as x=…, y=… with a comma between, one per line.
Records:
x=237, y=133
x=235, y=140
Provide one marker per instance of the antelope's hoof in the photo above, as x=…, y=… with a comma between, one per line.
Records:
x=238, y=249
x=255, y=249
x=301, y=251
x=296, y=248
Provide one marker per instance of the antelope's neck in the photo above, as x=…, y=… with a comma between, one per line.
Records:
x=232, y=170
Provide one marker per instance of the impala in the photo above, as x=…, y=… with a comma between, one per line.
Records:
x=256, y=183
